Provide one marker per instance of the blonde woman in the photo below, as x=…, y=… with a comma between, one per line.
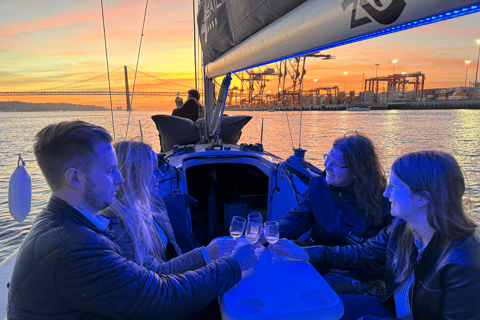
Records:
x=140, y=221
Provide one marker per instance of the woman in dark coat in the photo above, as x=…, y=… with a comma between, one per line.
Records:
x=344, y=206
x=430, y=252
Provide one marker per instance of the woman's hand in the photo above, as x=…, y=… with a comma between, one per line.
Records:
x=289, y=249
x=220, y=247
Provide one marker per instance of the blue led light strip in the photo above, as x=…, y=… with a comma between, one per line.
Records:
x=409, y=25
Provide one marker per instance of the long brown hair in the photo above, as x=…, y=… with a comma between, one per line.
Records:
x=439, y=174
x=361, y=158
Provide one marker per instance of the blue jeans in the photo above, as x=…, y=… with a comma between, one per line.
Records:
x=356, y=306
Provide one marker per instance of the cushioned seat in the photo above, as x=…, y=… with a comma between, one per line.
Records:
x=174, y=130
x=179, y=131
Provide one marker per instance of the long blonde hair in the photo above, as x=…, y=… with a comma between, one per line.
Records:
x=135, y=202
x=439, y=174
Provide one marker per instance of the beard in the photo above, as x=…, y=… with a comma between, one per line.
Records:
x=95, y=197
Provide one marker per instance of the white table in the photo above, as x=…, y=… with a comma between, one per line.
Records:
x=286, y=290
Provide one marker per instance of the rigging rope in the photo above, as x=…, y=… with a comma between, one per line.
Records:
x=108, y=70
x=288, y=122
x=136, y=68
x=301, y=103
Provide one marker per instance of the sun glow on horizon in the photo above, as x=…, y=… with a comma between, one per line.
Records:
x=60, y=46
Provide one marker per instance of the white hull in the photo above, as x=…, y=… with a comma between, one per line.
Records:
x=6, y=269
x=265, y=183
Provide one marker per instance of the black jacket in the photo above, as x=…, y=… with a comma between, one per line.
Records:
x=333, y=214
x=191, y=109
x=67, y=268
x=446, y=279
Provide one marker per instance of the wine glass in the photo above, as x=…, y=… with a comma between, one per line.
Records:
x=256, y=217
x=272, y=234
x=237, y=226
x=252, y=234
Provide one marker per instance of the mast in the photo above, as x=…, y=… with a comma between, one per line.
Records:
x=194, y=45
x=129, y=107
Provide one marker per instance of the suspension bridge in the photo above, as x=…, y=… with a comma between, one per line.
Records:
x=142, y=84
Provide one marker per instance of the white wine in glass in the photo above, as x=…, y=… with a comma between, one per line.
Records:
x=252, y=234
x=237, y=226
x=272, y=239
x=255, y=217
x=236, y=234
x=272, y=234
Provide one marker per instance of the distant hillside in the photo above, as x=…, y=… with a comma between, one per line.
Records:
x=11, y=106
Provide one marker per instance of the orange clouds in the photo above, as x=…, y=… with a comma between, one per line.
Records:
x=9, y=30
x=66, y=48
x=47, y=22
x=69, y=53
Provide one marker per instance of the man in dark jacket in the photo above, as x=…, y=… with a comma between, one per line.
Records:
x=191, y=109
x=68, y=267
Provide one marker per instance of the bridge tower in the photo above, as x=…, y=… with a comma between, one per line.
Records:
x=129, y=107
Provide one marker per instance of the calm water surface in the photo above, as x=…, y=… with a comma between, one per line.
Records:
x=393, y=131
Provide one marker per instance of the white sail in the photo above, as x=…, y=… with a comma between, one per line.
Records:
x=320, y=24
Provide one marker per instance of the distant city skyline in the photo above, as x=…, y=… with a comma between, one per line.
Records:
x=43, y=44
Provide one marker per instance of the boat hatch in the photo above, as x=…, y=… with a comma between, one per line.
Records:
x=226, y=190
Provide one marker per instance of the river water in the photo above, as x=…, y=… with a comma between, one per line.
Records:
x=393, y=131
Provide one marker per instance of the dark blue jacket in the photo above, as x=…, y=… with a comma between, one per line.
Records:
x=67, y=268
x=163, y=264
x=446, y=279
x=334, y=216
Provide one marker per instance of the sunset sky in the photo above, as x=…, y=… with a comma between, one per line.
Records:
x=59, y=43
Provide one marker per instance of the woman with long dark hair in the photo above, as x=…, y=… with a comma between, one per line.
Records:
x=430, y=253
x=344, y=206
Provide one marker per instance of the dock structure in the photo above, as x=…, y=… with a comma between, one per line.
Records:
x=419, y=105
x=402, y=91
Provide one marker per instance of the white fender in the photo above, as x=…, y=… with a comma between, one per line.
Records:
x=19, y=194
